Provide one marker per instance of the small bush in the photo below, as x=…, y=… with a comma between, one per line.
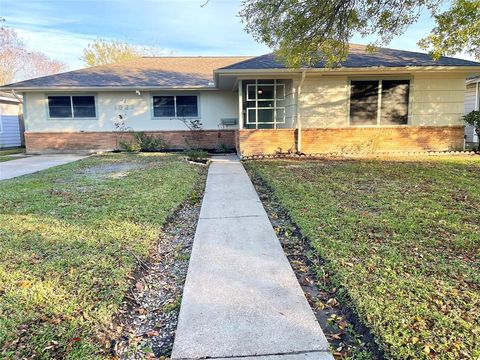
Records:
x=143, y=142
x=196, y=155
x=223, y=148
x=130, y=146
x=473, y=118
x=149, y=143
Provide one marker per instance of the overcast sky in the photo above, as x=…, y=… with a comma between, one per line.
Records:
x=62, y=28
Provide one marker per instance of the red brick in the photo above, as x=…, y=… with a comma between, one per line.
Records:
x=51, y=142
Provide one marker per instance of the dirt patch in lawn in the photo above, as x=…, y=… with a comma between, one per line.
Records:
x=347, y=336
x=115, y=170
x=146, y=324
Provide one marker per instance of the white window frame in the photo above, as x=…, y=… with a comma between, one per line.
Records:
x=379, y=100
x=71, y=106
x=274, y=108
x=175, y=107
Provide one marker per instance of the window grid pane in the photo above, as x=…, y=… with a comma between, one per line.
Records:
x=163, y=106
x=394, y=102
x=364, y=102
x=59, y=107
x=187, y=106
x=264, y=104
x=83, y=106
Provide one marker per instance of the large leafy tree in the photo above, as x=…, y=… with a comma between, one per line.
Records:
x=18, y=62
x=101, y=52
x=304, y=32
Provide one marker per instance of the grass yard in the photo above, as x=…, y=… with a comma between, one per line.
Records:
x=401, y=240
x=4, y=154
x=70, y=237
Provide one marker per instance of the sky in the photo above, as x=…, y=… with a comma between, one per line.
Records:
x=62, y=28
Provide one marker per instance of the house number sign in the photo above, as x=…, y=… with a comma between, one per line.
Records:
x=125, y=107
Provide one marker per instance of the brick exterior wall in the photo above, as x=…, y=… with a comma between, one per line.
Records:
x=351, y=140
x=56, y=142
x=258, y=142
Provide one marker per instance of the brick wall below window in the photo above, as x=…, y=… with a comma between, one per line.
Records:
x=354, y=139
x=55, y=142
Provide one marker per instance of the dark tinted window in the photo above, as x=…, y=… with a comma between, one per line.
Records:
x=364, y=102
x=187, y=106
x=83, y=106
x=59, y=107
x=394, y=102
x=163, y=106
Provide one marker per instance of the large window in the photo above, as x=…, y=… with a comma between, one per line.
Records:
x=71, y=106
x=265, y=104
x=379, y=102
x=173, y=106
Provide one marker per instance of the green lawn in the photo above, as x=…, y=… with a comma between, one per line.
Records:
x=401, y=239
x=70, y=237
x=4, y=153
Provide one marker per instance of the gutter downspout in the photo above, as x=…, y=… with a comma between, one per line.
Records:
x=16, y=97
x=299, y=122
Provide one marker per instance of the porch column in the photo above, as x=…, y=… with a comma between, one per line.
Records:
x=240, y=105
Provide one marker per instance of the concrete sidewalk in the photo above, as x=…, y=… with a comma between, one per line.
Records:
x=31, y=164
x=241, y=297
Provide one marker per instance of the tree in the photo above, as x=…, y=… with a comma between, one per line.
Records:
x=18, y=62
x=457, y=30
x=304, y=32
x=101, y=52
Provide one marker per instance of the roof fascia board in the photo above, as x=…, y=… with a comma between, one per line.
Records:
x=106, y=88
x=462, y=69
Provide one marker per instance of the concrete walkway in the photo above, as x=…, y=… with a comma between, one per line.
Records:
x=241, y=297
x=31, y=164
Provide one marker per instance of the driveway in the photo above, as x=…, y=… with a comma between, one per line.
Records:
x=28, y=165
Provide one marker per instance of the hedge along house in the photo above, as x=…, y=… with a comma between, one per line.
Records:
x=390, y=100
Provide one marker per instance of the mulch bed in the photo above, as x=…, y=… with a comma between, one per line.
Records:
x=145, y=327
x=348, y=338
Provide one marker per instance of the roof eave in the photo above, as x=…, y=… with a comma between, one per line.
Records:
x=109, y=88
x=352, y=70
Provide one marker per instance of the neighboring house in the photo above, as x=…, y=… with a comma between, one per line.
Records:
x=11, y=122
x=390, y=100
x=472, y=102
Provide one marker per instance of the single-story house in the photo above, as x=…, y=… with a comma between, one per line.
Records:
x=389, y=100
x=472, y=102
x=11, y=121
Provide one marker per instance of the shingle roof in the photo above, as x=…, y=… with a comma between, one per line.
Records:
x=360, y=58
x=154, y=72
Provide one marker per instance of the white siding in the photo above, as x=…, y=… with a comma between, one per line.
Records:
x=9, y=125
x=323, y=102
x=435, y=100
x=213, y=106
x=471, y=103
x=289, y=106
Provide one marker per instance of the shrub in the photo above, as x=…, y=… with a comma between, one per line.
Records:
x=223, y=148
x=473, y=118
x=149, y=143
x=129, y=146
x=196, y=155
x=143, y=142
